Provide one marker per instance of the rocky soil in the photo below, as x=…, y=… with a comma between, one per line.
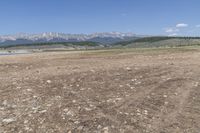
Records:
x=135, y=91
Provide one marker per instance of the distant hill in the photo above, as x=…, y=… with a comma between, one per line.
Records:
x=161, y=41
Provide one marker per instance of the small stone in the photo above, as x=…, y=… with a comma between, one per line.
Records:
x=66, y=110
x=76, y=122
x=99, y=127
x=132, y=88
x=9, y=120
x=133, y=80
x=5, y=102
x=128, y=69
x=29, y=90
x=88, y=109
x=121, y=86
x=165, y=96
x=43, y=111
x=70, y=113
x=48, y=105
x=92, y=71
x=26, y=121
x=138, y=114
x=166, y=103
x=196, y=84
x=105, y=129
x=145, y=112
x=49, y=81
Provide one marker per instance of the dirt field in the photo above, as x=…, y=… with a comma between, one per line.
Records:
x=116, y=91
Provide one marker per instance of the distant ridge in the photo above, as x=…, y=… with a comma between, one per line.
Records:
x=48, y=37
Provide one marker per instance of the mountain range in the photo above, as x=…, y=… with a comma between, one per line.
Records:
x=105, y=38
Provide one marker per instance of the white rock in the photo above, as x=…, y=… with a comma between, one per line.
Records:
x=132, y=87
x=43, y=111
x=105, y=129
x=88, y=109
x=49, y=81
x=165, y=96
x=133, y=80
x=5, y=102
x=70, y=113
x=66, y=110
x=29, y=90
x=99, y=126
x=145, y=112
x=196, y=84
x=9, y=120
x=26, y=121
x=128, y=68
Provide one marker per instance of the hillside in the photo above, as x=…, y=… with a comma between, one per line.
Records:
x=148, y=42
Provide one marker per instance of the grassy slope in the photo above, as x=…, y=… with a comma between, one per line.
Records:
x=160, y=42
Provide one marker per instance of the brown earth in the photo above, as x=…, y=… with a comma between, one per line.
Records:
x=116, y=91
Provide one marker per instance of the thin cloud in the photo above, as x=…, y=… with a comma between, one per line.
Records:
x=173, y=34
x=171, y=30
x=181, y=25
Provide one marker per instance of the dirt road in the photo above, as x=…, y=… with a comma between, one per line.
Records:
x=136, y=91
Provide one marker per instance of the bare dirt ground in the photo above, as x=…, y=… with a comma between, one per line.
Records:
x=134, y=91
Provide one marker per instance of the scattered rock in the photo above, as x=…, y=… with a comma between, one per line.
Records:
x=99, y=127
x=80, y=128
x=29, y=90
x=133, y=80
x=66, y=110
x=49, y=81
x=70, y=113
x=19, y=87
x=8, y=121
x=26, y=121
x=5, y=102
x=145, y=112
x=92, y=70
x=196, y=84
x=128, y=69
x=43, y=111
x=165, y=96
x=120, y=86
x=88, y=109
x=105, y=129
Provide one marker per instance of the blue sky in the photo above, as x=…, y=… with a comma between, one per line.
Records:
x=147, y=17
